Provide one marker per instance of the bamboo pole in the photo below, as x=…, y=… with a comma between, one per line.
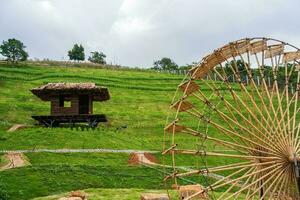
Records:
x=265, y=86
x=256, y=107
x=227, y=119
x=228, y=144
x=217, y=92
x=251, y=174
x=281, y=185
x=225, y=131
x=277, y=180
x=235, y=183
x=295, y=107
x=247, y=157
x=257, y=180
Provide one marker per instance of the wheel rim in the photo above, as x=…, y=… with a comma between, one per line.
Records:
x=239, y=106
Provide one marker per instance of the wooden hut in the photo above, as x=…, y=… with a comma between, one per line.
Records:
x=71, y=103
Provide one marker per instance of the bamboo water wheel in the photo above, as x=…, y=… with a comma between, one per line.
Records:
x=234, y=123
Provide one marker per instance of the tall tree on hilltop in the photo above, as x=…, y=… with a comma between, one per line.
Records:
x=13, y=50
x=165, y=64
x=77, y=53
x=97, y=57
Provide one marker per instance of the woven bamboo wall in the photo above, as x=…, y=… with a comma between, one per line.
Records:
x=57, y=110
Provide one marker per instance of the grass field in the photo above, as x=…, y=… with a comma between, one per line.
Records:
x=139, y=101
x=103, y=194
x=125, y=194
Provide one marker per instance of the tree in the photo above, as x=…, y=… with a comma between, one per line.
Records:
x=76, y=53
x=13, y=50
x=97, y=57
x=187, y=67
x=238, y=67
x=165, y=64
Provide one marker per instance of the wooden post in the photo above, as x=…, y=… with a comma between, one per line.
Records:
x=261, y=193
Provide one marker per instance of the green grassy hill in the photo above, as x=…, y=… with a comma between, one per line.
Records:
x=139, y=101
x=137, y=114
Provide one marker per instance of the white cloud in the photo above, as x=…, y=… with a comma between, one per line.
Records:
x=136, y=32
x=131, y=26
x=47, y=5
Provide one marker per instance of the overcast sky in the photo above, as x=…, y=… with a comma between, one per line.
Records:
x=137, y=32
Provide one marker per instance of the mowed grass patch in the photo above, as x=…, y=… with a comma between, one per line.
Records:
x=115, y=137
x=35, y=181
x=66, y=138
x=75, y=159
x=116, y=159
x=52, y=173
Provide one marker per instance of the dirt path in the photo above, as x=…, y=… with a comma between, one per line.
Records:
x=16, y=127
x=14, y=160
x=143, y=159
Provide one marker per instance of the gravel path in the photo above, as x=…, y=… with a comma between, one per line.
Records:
x=78, y=151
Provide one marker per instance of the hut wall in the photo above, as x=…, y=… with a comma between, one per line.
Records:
x=57, y=110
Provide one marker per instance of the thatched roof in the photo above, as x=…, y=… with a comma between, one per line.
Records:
x=46, y=92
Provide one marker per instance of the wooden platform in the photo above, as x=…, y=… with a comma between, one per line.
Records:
x=54, y=121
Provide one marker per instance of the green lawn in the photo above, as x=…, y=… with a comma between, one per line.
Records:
x=3, y=160
x=108, y=194
x=41, y=180
x=51, y=173
x=124, y=194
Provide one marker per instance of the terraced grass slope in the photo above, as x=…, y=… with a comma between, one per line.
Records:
x=136, y=111
x=139, y=101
